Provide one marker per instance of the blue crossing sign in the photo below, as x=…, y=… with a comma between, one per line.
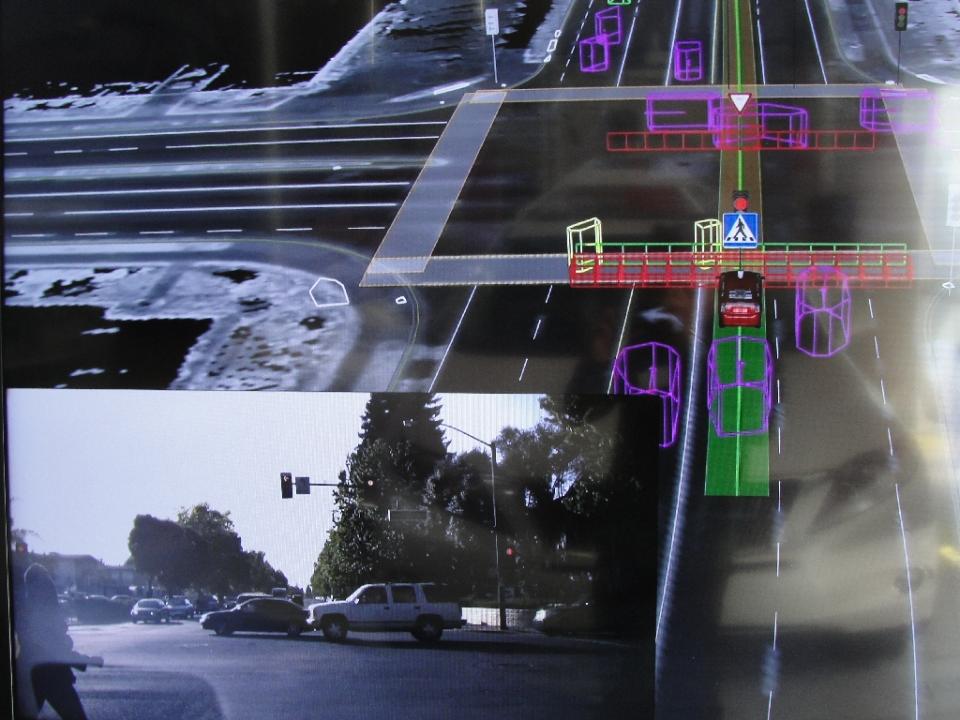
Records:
x=741, y=230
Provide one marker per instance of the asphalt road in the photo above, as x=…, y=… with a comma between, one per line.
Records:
x=180, y=670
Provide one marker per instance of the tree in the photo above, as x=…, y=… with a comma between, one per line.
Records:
x=165, y=551
x=263, y=576
x=222, y=565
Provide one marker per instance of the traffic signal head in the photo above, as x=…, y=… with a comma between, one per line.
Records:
x=900, y=19
x=741, y=200
x=21, y=548
x=511, y=551
x=286, y=485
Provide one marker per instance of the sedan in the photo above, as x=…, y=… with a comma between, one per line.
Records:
x=149, y=610
x=258, y=615
x=179, y=607
x=741, y=299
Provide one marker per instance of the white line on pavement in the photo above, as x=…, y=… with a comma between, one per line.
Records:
x=229, y=208
x=913, y=623
x=314, y=141
x=452, y=338
x=523, y=369
x=207, y=189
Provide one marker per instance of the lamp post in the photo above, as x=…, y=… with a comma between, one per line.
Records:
x=501, y=610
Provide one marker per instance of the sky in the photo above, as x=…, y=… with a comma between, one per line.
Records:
x=83, y=463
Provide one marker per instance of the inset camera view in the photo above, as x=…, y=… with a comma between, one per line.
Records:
x=252, y=555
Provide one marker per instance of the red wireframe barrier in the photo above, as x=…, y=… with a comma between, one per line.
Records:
x=781, y=269
x=750, y=138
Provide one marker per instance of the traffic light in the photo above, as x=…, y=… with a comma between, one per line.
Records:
x=900, y=19
x=303, y=485
x=511, y=552
x=741, y=200
x=21, y=548
x=286, y=485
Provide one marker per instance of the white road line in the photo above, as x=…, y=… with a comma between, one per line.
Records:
x=523, y=369
x=452, y=338
x=230, y=208
x=779, y=494
x=776, y=617
x=549, y=292
x=67, y=152
x=30, y=235
x=682, y=474
x=123, y=149
x=536, y=330
x=870, y=305
x=155, y=232
x=226, y=230
x=763, y=64
x=778, y=575
x=778, y=391
x=776, y=342
x=14, y=154
x=295, y=229
x=776, y=310
x=779, y=441
x=913, y=622
x=214, y=131
x=313, y=141
x=816, y=43
x=207, y=189
x=673, y=42
x=576, y=40
x=367, y=227
x=623, y=330
x=890, y=440
x=769, y=704
x=713, y=42
x=883, y=391
x=876, y=346
x=626, y=48
x=92, y=234
x=18, y=214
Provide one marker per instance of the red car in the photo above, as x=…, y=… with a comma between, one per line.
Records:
x=741, y=299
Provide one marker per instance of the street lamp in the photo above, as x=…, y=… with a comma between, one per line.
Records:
x=501, y=610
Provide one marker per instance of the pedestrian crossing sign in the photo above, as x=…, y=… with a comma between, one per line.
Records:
x=741, y=230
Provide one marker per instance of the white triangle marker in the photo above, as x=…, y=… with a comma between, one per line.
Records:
x=740, y=100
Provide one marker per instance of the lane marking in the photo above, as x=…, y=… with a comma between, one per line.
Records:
x=775, y=618
x=214, y=131
x=778, y=575
x=30, y=235
x=549, y=292
x=18, y=214
x=523, y=369
x=779, y=443
x=779, y=494
x=890, y=440
x=776, y=342
x=576, y=40
x=367, y=227
x=536, y=330
x=123, y=149
x=207, y=189
x=92, y=234
x=14, y=154
x=816, y=43
x=313, y=141
x=913, y=621
x=452, y=338
x=870, y=305
x=155, y=232
x=626, y=49
x=226, y=230
x=230, y=208
x=295, y=229
x=778, y=391
x=673, y=42
x=763, y=64
x=67, y=152
x=883, y=391
x=776, y=310
x=876, y=346
x=623, y=330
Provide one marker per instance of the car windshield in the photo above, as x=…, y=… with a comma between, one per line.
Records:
x=149, y=604
x=741, y=294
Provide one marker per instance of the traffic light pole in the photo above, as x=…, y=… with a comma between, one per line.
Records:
x=501, y=608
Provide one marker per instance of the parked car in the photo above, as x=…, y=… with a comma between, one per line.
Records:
x=128, y=600
x=261, y=614
x=206, y=603
x=149, y=610
x=179, y=607
x=740, y=299
x=96, y=609
x=389, y=607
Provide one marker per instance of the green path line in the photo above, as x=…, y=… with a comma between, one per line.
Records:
x=736, y=22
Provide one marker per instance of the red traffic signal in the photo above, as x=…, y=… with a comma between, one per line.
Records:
x=511, y=551
x=741, y=200
x=900, y=19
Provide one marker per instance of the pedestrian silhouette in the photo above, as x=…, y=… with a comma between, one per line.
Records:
x=44, y=649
